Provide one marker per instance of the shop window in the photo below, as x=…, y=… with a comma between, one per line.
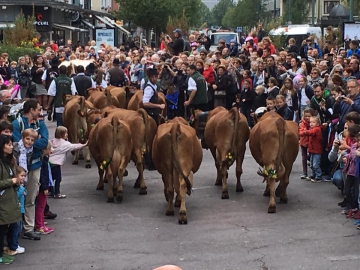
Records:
x=328, y=5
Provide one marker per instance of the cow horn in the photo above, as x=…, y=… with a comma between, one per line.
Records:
x=261, y=172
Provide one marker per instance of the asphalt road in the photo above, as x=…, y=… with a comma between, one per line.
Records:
x=307, y=233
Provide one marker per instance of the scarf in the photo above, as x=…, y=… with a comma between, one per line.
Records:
x=23, y=156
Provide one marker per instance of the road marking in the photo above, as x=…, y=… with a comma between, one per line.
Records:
x=345, y=258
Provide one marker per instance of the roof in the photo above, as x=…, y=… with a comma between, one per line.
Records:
x=339, y=10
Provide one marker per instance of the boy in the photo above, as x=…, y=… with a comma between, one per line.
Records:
x=315, y=148
x=270, y=104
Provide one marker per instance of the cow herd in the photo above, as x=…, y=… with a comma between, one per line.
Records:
x=119, y=130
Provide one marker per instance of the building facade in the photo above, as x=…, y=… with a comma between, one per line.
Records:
x=60, y=20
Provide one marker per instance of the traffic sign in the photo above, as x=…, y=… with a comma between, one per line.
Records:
x=239, y=29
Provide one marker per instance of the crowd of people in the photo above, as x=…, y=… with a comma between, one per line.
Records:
x=315, y=87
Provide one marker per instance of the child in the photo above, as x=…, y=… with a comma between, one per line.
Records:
x=273, y=89
x=45, y=183
x=304, y=138
x=247, y=96
x=270, y=104
x=57, y=158
x=315, y=149
x=282, y=108
x=260, y=99
x=16, y=228
x=291, y=97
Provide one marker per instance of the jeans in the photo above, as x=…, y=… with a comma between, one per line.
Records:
x=40, y=207
x=338, y=179
x=304, y=159
x=32, y=187
x=56, y=175
x=315, y=165
x=59, y=121
x=352, y=182
x=13, y=235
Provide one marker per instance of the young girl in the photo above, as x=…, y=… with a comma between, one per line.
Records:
x=305, y=94
x=15, y=229
x=304, y=138
x=315, y=148
x=45, y=183
x=282, y=108
x=247, y=97
x=60, y=146
x=289, y=92
x=273, y=89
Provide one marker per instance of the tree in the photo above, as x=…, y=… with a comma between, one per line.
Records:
x=356, y=11
x=220, y=9
x=245, y=13
x=299, y=11
x=206, y=15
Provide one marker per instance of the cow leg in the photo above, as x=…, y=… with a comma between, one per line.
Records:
x=88, y=162
x=239, y=170
x=81, y=154
x=110, y=188
x=225, y=192
x=182, y=214
x=177, y=200
x=281, y=189
x=140, y=180
x=267, y=190
x=218, y=181
x=170, y=192
x=119, y=193
x=100, y=185
x=272, y=204
x=76, y=158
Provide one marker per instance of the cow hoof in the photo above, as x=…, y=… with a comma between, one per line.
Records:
x=100, y=187
x=284, y=200
x=75, y=162
x=88, y=166
x=119, y=196
x=218, y=183
x=81, y=158
x=182, y=218
x=225, y=194
x=137, y=184
x=170, y=213
x=110, y=200
x=126, y=173
x=143, y=191
x=239, y=189
x=272, y=209
x=177, y=203
x=266, y=193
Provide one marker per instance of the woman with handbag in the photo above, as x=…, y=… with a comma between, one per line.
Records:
x=23, y=72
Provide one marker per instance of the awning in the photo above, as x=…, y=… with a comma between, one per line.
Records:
x=87, y=24
x=104, y=21
x=118, y=26
x=68, y=27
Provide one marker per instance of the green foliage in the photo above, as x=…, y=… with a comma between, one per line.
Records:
x=155, y=13
x=206, y=19
x=299, y=11
x=15, y=52
x=220, y=9
x=245, y=13
x=356, y=11
x=279, y=40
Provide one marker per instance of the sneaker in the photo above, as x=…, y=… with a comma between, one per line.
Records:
x=48, y=230
x=20, y=250
x=343, y=203
x=31, y=235
x=357, y=222
x=357, y=215
x=351, y=213
x=303, y=176
x=45, y=223
x=41, y=231
x=5, y=260
x=327, y=179
x=10, y=252
x=317, y=180
x=59, y=196
x=50, y=215
x=309, y=178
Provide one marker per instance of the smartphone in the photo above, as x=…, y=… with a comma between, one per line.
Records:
x=323, y=100
x=341, y=97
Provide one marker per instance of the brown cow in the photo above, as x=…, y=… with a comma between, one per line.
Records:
x=136, y=102
x=274, y=144
x=74, y=119
x=110, y=145
x=177, y=154
x=102, y=98
x=138, y=124
x=122, y=94
x=226, y=134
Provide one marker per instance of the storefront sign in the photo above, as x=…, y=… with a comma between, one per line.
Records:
x=43, y=20
x=106, y=36
x=39, y=20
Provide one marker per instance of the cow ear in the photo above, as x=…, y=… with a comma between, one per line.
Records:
x=81, y=113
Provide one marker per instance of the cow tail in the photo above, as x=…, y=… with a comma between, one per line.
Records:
x=116, y=126
x=235, y=117
x=144, y=116
x=280, y=124
x=175, y=132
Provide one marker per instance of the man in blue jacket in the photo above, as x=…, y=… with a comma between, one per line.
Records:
x=344, y=105
x=29, y=119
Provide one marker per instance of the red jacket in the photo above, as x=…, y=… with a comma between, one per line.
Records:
x=209, y=75
x=304, y=137
x=315, y=140
x=272, y=49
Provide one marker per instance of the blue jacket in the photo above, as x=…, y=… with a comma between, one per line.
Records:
x=313, y=45
x=21, y=192
x=343, y=109
x=350, y=52
x=39, y=144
